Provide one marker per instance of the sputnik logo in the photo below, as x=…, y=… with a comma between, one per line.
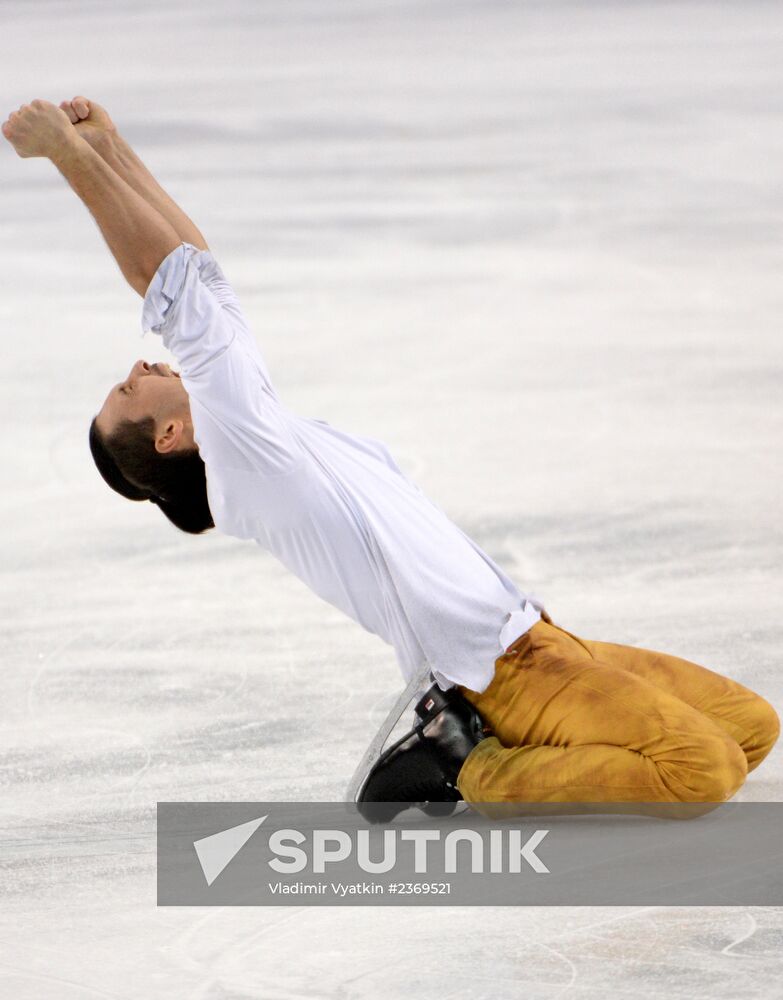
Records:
x=333, y=847
x=218, y=850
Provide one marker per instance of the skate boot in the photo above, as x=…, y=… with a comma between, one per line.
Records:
x=421, y=768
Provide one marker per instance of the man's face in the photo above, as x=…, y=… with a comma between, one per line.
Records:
x=151, y=391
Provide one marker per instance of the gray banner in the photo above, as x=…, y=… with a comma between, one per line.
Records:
x=325, y=854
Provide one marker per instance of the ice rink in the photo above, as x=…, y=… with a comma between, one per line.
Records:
x=535, y=248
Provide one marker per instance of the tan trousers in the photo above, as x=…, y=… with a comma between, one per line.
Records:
x=579, y=721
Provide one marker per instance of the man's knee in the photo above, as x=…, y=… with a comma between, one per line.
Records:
x=713, y=774
x=764, y=726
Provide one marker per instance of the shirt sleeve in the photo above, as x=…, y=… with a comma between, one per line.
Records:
x=238, y=419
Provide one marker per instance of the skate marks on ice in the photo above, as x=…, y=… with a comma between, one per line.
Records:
x=592, y=568
x=590, y=952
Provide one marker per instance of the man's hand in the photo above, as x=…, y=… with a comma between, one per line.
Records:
x=138, y=235
x=138, y=220
x=90, y=120
x=39, y=129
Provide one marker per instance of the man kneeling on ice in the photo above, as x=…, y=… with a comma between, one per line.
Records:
x=521, y=710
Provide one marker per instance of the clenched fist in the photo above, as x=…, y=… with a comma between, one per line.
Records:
x=90, y=120
x=38, y=129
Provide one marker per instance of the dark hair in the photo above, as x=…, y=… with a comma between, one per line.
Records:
x=131, y=465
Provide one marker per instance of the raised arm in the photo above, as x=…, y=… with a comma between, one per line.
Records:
x=94, y=124
x=137, y=234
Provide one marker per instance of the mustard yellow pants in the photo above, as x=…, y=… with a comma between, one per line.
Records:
x=579, y=721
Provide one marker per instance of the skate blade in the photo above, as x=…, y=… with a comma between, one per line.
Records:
x=377, y=747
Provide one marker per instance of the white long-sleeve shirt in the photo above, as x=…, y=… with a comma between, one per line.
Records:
x=333, y=507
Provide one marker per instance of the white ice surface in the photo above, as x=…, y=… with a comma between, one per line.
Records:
x=534, y=247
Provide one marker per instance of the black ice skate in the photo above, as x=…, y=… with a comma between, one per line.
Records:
x=421, y=768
